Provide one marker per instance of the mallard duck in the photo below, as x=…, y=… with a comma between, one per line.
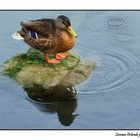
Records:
x=50, y=36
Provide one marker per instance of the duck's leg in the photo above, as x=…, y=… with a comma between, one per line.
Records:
x=61, y=56
x=52, y=61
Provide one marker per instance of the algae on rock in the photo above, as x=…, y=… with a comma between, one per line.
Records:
x=31, y=69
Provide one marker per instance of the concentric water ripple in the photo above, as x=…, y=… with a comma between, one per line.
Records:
x=115, y=23
x=124, y=37
x=114, y=73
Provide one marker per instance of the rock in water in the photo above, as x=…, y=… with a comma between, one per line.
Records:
x=30, y=70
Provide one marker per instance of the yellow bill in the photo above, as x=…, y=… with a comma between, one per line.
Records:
x=71, y=31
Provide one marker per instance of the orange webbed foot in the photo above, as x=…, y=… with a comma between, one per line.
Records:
x=61, y=56
x=51, y=61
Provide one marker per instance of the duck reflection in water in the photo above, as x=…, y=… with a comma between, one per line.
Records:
x=60, y=100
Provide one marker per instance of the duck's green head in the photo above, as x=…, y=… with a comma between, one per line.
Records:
x=63, y=22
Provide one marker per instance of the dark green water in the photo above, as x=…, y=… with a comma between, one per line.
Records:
x=109, y=99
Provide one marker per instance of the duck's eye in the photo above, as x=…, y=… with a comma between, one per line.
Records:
x=65, y=24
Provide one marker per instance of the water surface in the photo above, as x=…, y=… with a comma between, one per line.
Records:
x=109, y=99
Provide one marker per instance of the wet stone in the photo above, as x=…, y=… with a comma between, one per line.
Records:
x=32, y=72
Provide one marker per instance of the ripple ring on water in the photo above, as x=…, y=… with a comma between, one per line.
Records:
x=115, y=23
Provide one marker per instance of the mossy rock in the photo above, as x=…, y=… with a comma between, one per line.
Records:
x=31, y=70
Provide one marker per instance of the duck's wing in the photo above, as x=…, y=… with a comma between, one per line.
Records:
x=42, y=27
x=42, y=44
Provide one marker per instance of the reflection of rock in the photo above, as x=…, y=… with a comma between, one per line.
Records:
x=63, y=109
x=53, y=94
x=31, y=69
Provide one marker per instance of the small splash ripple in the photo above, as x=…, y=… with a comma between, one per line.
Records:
x=115, y=23
x=124, y=37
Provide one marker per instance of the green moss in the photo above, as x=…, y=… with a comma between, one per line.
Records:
x=16, y=63
x=13, y=70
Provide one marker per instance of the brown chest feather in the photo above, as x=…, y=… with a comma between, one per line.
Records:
x=66, y=41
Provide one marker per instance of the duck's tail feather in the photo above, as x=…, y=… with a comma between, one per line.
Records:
x=17, y=36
